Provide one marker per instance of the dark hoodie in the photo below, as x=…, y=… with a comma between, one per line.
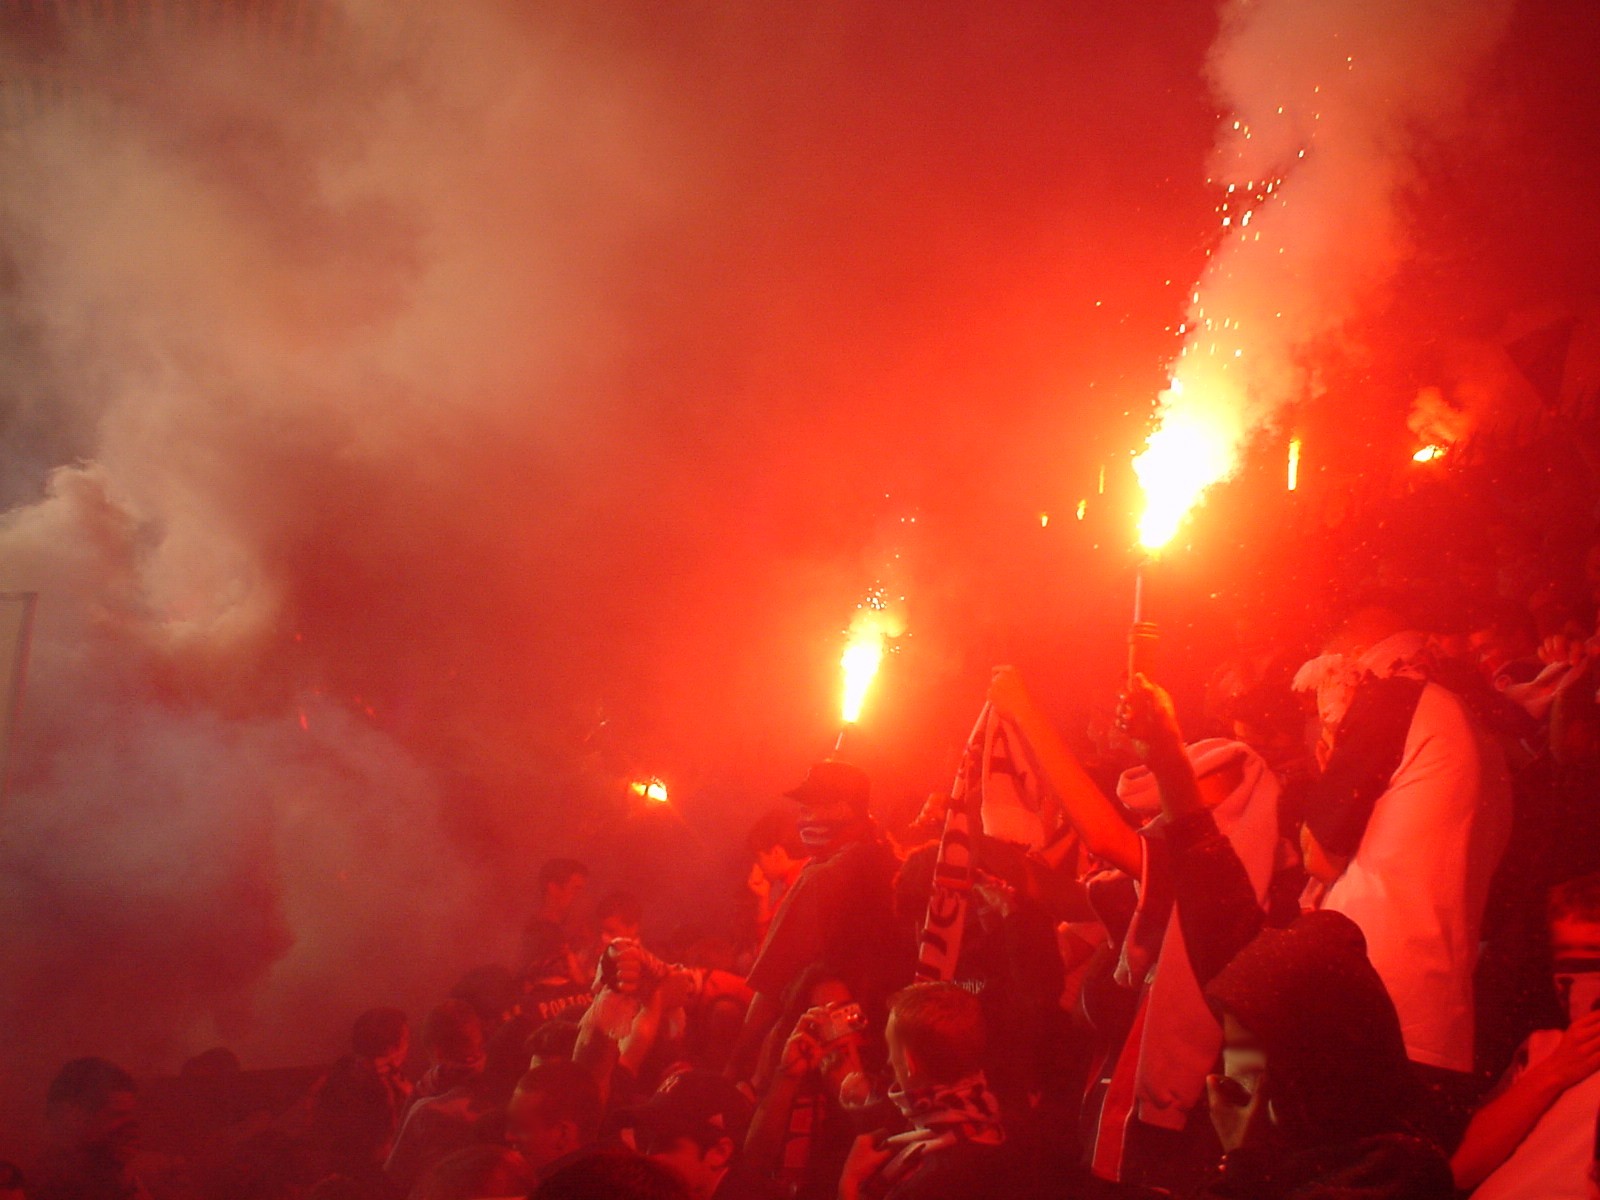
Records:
x=1340, y=1085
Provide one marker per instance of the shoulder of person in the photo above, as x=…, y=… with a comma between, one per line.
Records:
x=964, y=1171
x=744, y=1183
x=850, y=861
x=1390, y=1166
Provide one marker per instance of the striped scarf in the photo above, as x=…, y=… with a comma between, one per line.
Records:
x=942, y=1116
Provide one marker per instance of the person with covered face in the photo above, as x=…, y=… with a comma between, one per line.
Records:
x=838, y=909
x=1535, y=1135
x=1316, y=1095
x=1186, y=882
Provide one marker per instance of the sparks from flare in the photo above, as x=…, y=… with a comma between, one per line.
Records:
x=1229, y=368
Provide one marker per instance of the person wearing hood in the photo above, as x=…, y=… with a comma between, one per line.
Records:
x=838, y=909
x=1316, y=1093
x=1182, y=893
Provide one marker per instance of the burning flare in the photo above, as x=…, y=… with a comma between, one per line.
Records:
x=652, y=790
x=868, y=642
x=1428, y=454
x=860, y=662
x=1187, y=453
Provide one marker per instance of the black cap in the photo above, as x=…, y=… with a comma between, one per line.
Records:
x=830, y=780
x=695, y=1104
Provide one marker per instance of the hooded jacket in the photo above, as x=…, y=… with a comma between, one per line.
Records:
x=1339, y=1082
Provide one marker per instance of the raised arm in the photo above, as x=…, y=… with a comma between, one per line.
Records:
x=1502, y=1123
x=769, y=1127
x=1216, y=901
x=1153, y=724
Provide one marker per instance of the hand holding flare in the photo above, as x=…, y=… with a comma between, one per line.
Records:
x=1148, y=715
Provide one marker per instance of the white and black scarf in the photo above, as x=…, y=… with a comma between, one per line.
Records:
x=941, y=1116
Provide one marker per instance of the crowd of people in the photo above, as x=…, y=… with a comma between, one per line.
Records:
x=1345, y=944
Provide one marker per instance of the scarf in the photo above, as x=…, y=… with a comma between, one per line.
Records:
x=1335, y=677
x=941, y=1116
x=998, y=783
x=939, y=945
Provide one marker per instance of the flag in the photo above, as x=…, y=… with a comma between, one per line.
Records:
x=999, y=793
x=1013, y=791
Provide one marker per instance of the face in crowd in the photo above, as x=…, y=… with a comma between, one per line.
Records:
x=1575, y=951
x=540, y=1136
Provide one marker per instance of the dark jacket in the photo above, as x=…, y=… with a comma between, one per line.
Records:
x=1390, y=1166
x=1343, y=1093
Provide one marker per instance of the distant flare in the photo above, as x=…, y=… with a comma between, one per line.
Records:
x=651, y=790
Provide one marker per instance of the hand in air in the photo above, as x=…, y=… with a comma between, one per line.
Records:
x=1559, y=648
x=1008, y=694
x=1150, y=719
x=803, y=1051
x=758, y=883
x=674, y=991
x=627, y=965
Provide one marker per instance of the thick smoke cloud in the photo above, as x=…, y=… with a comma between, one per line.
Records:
x=419, y=417
x=1328, y=107
x=297, y=302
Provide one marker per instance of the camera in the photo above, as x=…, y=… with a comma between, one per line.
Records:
x=839, y=1021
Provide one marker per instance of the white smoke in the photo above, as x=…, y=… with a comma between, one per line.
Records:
x=1325, y=108
x=317, y=315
